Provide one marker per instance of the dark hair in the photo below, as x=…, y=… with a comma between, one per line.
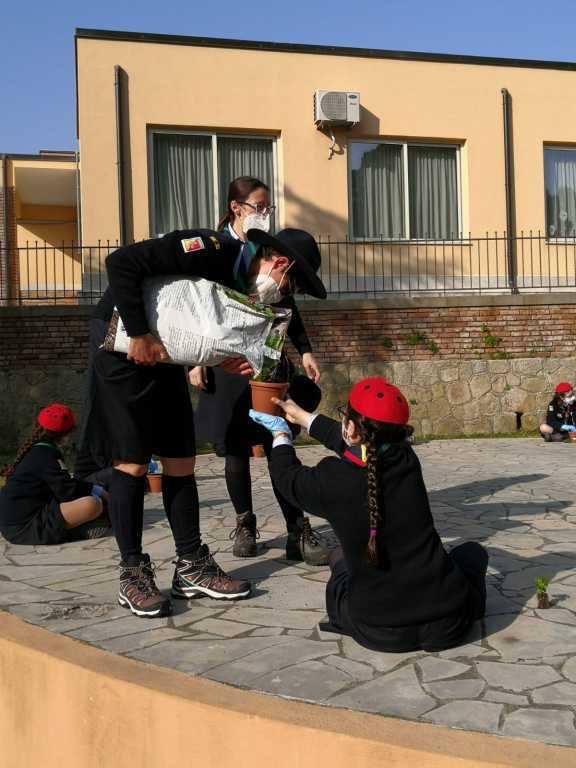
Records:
x=374, y=435
x=240, y=189
x=38, y=433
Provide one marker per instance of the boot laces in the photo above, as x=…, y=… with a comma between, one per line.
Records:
x=144, y=575
x=308, y=535
x=240, y=527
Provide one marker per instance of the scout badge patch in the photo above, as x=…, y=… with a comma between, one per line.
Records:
x=190, y=244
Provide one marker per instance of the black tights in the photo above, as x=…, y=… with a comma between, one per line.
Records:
x=239, y=484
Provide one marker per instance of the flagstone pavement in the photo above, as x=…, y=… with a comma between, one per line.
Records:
x=514, y=676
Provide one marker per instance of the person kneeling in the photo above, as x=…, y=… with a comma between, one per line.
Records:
x=41, y=503
x=393, y=587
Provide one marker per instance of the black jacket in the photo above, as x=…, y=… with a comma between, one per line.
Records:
x=417, y=584
x=38, y=479
x=559, y=413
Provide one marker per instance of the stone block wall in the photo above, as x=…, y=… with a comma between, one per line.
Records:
x=460, y=385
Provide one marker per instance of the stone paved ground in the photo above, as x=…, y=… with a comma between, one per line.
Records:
x=515, y=676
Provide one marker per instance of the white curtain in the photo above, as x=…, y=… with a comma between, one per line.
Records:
x=560, y=169
x=377, y=190
x=244, y=157
x=432, y=192
x=183, y=182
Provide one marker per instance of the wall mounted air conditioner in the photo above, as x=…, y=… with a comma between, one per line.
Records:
x=333, y=108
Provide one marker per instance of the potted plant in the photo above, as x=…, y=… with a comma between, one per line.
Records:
x=272, y=379
x=154, y=476
x=541, y=592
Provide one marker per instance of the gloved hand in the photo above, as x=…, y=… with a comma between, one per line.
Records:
x=568, y=428
x=274, y=424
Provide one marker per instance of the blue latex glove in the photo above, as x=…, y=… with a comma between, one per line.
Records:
x=568, y=428
x=97, y=491
x=273, y=424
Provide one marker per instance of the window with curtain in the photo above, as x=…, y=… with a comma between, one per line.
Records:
x=388, y=201
x=560, y=187
x=186, y=167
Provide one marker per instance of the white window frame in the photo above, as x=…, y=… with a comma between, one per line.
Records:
x=214, y=135
x=551, y=239
x=405, y=145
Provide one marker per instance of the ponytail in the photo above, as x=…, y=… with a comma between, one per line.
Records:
x=38, y=433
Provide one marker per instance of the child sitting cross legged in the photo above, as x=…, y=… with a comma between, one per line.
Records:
x=393, y=587
x=561, y=414
x=41, y=503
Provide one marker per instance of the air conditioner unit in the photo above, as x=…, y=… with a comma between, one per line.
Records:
x=336, y=108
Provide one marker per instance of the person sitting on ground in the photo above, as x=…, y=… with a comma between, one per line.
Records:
x=561, y=414
x=393, y=587
x=41, y=503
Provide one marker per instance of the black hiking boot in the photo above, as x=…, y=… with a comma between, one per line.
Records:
x=245, y=535
x=138, y=590
x=303, y=544
x=198, y=574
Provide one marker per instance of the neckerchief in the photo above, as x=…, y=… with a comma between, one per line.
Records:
x=356, y=454
x=242, y=265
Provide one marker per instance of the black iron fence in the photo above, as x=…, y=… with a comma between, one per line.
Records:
x=49, y=273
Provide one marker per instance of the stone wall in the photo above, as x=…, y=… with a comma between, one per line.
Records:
x=437, y=349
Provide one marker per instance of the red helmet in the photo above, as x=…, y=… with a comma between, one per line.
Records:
x=563, y=387
x=56, y=418
x=377, y=399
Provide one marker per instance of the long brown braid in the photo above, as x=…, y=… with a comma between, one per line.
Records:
x=38, y=433
x=374, y=434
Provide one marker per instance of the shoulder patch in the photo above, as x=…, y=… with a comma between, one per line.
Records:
x=216, y=242
x=190, y=244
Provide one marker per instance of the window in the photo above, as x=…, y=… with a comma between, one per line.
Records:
x=191, y=173
x=403, y=191
x=560, y=187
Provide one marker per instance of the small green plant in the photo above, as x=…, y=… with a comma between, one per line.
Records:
x=490, y=340
x=542, y=585
x=507, y=387
x=417, y=337
x=387, y=343
x=413, y=402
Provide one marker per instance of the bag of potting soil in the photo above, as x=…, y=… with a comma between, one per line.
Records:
x=203, y=323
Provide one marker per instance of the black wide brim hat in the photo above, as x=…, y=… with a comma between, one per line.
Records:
x=301, y=248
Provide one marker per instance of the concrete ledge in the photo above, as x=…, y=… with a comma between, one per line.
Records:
x=63, y=703
x=49, y=310
x=393, y=301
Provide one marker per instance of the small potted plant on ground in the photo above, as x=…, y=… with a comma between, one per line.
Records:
x=155, y=476
x=541, y=592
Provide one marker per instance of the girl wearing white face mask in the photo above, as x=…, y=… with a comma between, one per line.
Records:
x=224, y=400
x=561, y=414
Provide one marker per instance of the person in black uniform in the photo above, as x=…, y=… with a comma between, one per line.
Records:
x=393, y=587
x=224, y=400
x=41, y=503
x=140, y=408
x=561, y=414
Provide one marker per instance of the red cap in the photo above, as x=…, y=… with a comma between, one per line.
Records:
x=563, y=387
x=56, y=418
x=377, y=399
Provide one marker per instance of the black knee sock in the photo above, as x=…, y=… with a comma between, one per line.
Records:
x=126, y=511
x=180, y=497
x=239, y=483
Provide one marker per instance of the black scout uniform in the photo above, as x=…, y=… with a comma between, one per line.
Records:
x=560, y=413
x=30, y=500
x=419, y=597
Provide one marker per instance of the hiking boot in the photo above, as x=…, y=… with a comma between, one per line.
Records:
x=304, y=544
x=138, y=590
x=198, y=575
x=245, y=535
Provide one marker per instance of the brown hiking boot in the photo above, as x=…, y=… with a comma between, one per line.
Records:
x=245, y=535
x=138, y=590
x=199, y=574
x=304, y=544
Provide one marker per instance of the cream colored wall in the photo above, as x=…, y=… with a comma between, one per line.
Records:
x=237, y=90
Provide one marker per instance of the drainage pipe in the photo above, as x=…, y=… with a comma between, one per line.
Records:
x=120, y=152
x=509, y=185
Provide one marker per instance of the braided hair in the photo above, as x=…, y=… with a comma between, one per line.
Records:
x=38, y=434
x=375, y=434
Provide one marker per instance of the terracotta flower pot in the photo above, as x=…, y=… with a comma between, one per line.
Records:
x=572, y=436
x=543, y=600
x=155, y=483
x=262, y=394
x=258, y=452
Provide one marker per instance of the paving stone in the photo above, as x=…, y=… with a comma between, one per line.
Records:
x=559, y=693
x=354, y=669
x=250, y=667
x=516, y=677
x=106, y=630
x=311, y=681
x=468, y=715
x=274, y=617
x=220, y=627
x=569, y=669
x=506, y=698
x=140, y=640
x=439, y=669
x=266, y=631
x=523, y=637
x=456, y=689
x=552, y=726
x=383, y=662
x=398, y=693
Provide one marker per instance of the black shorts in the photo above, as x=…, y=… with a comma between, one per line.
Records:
x=139, y=410
x=46, y=527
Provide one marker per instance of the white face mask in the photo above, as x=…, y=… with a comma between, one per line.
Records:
x=265, y=288
x=256, y=221
x=569, y=400
x=345, y=435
